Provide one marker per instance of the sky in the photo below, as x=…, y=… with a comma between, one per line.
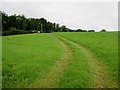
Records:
x=75, y=15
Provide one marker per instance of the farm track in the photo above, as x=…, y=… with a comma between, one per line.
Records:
x=100, y=78
x=50, y=80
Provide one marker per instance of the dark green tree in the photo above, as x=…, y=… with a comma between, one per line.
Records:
x=103, y=30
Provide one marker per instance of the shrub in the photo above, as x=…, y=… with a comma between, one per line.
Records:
x=80, y=30
x=91, y=30
x=103, y=30
x=13, y=31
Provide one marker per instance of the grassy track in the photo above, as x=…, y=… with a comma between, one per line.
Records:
x=51, y=79
x=105, y=47
x=77, y=73
x=99, y=75
x=65, y=60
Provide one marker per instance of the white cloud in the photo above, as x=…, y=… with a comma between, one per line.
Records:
x=59, y=0
x=86, y=15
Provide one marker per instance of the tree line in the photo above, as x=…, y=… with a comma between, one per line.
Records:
x=19, y=24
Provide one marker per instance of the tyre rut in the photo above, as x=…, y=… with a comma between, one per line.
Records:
x=100, y=77
x=51, y=79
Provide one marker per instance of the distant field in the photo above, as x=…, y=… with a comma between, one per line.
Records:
x=67, y=60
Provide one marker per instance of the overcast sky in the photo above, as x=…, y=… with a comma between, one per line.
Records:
x=84, y=15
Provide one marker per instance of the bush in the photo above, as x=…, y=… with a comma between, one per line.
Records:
x=103, y=30
x=80, y=30
x=13, y=31
x=91, y=30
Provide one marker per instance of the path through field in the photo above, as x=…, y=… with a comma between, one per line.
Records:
x=99, y=77
x=53, y=76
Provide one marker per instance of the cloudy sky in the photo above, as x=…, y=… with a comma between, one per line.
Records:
x=84, y=15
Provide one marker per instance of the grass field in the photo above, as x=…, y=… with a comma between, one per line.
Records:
x=27, y=58
x=104, y=46
x=65, y=60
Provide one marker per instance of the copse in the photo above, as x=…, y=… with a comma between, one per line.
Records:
x=14, y=31
x=71, y=30
x=80, y=30
x=91, y=30
x=103, y=30
x=19, y=24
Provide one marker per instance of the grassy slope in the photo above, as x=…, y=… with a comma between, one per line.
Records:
x=104, y=46
x=27, y=58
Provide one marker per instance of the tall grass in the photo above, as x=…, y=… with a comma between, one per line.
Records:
x=77, y=74
x=27, y=58
x=103, y=44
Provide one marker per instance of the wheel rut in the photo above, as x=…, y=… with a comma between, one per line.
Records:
x=100, y=77
x=51, y=79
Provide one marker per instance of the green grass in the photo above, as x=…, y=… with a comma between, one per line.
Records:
x=77, y=75
x=30, y=58
x=27, y=58
x=104, y=45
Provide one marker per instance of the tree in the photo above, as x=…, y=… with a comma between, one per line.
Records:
x=80, y=30
x=91, y=30
x=44, y=24
x=5, y=21
x=57, y=29
x=63, y=28
x=103, y=30
x=21, y=24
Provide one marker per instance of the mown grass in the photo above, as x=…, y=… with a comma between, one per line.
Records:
x=27, y=58
x=103, y=44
